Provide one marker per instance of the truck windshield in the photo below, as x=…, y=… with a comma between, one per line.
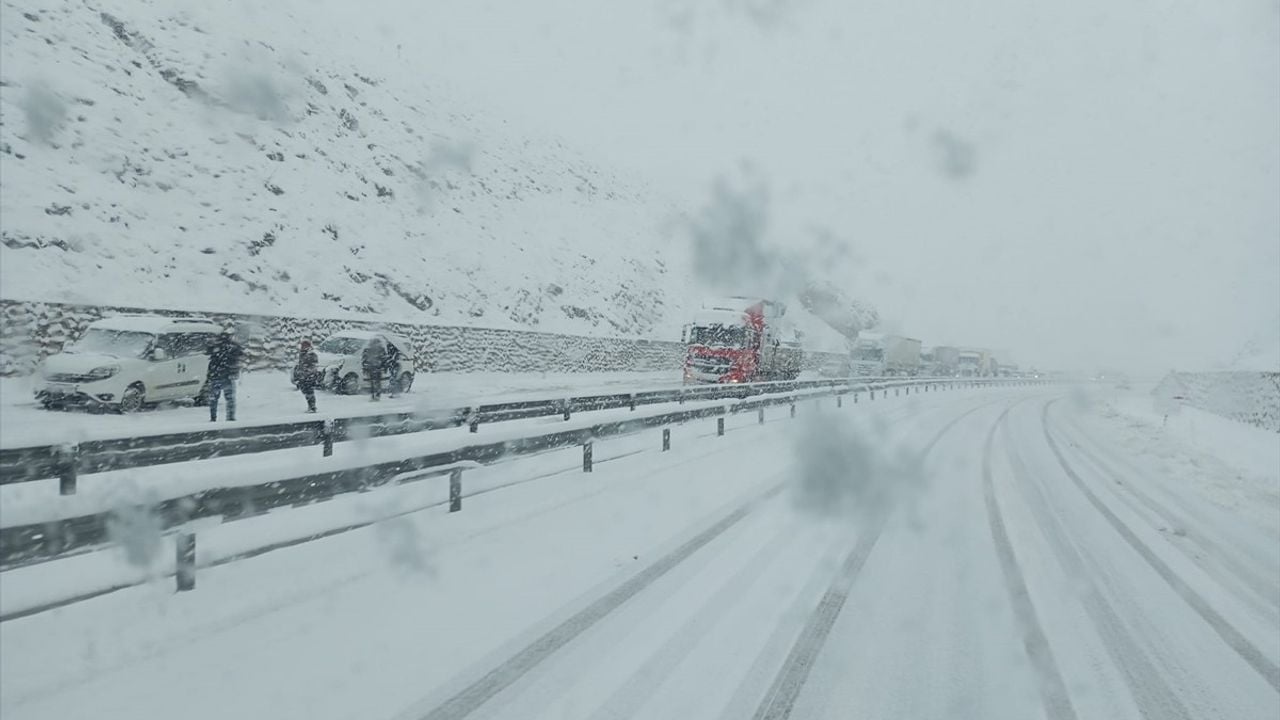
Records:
x=118, y=343
x=719, y=335
x=875, y=354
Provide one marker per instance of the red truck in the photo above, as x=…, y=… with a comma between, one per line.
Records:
x=740, y=340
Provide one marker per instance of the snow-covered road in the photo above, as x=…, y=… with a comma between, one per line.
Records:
x=999, y=553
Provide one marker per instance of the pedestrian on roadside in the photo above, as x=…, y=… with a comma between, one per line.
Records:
x=306, y=374
x=225, y=356
x=374, y=361
x=391, y=369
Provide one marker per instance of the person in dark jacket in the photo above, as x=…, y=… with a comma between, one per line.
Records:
x=225, y=356
x=306, y=374
x=374, y=362
x=391, y=367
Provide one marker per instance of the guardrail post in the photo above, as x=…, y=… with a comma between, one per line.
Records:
x=633, y=402
x=873, y=394
x=473, y=420
x=839, y=400
x=760, y=415
x=720, y=427
x=326, y=438
x=455, y=490
x=68, y=457
x=566, y=410
x=185, y=561
x=897, y=391
x=793, y=408
x=666, y=439
x=855, y=398
x=586, y=456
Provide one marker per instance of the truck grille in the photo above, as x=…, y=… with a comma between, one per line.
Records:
x=710, y=365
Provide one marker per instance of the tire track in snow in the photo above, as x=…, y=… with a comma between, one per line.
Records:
x=640, y=686
x=1216, y=560
x=1229, y=634
x=1053, y=690
x=508, y=673
x=787, y=684
x=1153, y=696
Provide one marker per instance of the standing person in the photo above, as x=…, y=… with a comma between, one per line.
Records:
x=306, y=374
x=391, y=366
x=225, y=355
x=374, y=360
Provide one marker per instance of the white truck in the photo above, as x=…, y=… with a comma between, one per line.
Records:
x=977, y=362
x=946, y=361
x=878, y=354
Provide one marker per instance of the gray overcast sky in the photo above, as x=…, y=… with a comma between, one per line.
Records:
x=1089, y=183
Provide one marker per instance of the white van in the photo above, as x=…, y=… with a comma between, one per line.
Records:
x=125, y=362
x=340, y=360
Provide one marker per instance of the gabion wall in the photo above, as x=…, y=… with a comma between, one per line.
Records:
x=31, y=331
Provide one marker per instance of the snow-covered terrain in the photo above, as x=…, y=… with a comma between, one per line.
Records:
x=171, y=155
x=1015, y=553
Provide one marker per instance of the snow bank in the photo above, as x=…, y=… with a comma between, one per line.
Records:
x=1250, y=397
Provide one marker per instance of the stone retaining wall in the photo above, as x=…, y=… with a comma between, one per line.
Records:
x=31, y=331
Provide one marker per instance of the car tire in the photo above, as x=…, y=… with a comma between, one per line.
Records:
x=133, y=399
x=350, y=384
x=405, y=382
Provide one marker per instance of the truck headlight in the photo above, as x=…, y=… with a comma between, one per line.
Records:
x=104, y=372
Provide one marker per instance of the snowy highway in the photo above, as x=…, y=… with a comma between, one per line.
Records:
x=998, y=553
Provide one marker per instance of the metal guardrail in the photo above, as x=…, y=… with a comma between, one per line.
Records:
x=22, y=544
x=68, y=461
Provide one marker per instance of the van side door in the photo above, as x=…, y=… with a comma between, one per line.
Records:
x=164, y=380
x=193, y=362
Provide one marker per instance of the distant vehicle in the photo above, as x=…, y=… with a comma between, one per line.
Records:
x=946, y=361
x=877, y=354
x=836, y=366
x=740, y=340
x=126, y=362
x=341, y=367
x=993, y=367
x=974, y=362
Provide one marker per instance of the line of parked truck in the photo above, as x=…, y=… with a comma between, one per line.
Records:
x=743, y=339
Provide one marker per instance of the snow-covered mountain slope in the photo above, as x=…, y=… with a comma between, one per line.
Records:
x=179, y=155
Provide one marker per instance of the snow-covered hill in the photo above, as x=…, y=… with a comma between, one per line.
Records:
x=182, y=156
x=186, y=156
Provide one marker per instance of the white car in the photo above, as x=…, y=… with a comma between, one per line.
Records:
x=125, y=362
x=340, y=360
